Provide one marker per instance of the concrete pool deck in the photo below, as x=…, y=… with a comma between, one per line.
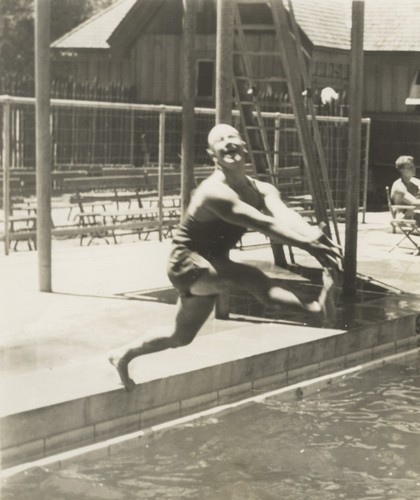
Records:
x=58, y=391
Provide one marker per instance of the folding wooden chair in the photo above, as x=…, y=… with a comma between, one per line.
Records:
x=408, y=226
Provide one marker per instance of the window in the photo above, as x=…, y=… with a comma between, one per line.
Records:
x=205, y=79
x=414, y=98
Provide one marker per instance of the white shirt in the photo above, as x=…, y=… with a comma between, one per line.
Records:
x=399, y=189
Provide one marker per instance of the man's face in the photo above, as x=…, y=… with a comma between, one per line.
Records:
x=408, y=171
x=226, y=145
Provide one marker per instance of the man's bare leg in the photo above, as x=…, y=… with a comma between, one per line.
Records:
x=122, y=368
x=322, y=309
x=191, y=315
x=230, y=275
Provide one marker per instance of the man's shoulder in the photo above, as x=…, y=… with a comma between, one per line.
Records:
x=213, y=191
x=214, y=186
x=398, y=185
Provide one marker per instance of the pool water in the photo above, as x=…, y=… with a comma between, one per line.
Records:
x=360, y=439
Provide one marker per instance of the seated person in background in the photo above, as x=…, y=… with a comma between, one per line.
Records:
x=406, y=189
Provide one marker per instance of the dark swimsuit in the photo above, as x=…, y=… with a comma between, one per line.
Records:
x=196, y=244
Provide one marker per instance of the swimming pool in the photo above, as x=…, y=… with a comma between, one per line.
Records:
x=360, y=439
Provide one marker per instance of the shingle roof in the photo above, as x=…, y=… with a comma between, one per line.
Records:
x=390, y=25
x=325, y=22
x=94, y=33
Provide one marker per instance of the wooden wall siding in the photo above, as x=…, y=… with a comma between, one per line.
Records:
x=387, y=86
x=264, y=65
x=93, y=70
x=205, y=45
x=82, y=71
x=104, y=71
x=330, y=69
x=172, y=67
x=168, y=19
x=158, y=72
x=154, y=67
x=157, y=60
x=116, y=71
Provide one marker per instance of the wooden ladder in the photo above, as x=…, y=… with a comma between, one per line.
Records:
x=289, y=54
x=245, y=83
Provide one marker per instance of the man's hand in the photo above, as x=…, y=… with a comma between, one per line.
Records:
x=328, y=253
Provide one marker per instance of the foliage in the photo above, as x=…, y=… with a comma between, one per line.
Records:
x=17, y=31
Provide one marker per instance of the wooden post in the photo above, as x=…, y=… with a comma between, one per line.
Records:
x=288, y=52
x=366, y=171
x=277, y=123
x=224, y=79
x=43, y=142
x=224, y=61
x=6, y=173
x=161, y=160
x=131, y=137
x=188, y=104
x=354, y=147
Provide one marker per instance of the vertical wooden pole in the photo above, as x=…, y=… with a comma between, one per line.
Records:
x=354, y=147
x=6, y=174
x=188, y=104
x=131, y=137
x=366, y=171
x=43, y=142
x=161, y=160
x=288, y=52
x=277, y=123
x=224, y=61
x=224, y=86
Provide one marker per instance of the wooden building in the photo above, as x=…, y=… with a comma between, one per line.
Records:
x=138, y=44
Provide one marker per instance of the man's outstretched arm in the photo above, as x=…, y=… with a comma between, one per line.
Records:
x=296, y=232
x=288, y=216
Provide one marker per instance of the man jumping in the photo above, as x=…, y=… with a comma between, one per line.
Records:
x=222, y=209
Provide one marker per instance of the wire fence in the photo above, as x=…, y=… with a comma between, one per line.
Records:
x=99, y=134
x=67, y=88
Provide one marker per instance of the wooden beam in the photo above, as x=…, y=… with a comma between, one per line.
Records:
x=43, y=141
x=6, y=156
x=224, y=61
x=188, y=103
x=288, y=52
x=354, y=147
x=224, y=86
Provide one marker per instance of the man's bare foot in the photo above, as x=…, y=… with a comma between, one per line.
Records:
x=323, y=309
x=326, y=298
x=122, y=368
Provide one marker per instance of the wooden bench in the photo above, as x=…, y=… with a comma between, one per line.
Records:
x=110, y=171
x=148, y=209
x=116, y=189
x=99, y=190
x=140, y=221
x=21, y=228
x=15, y=186
x=288, y=180
x=150, y=215
x=59, y=177
x=23, y=182
x=120, y=187
x=91, y=169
